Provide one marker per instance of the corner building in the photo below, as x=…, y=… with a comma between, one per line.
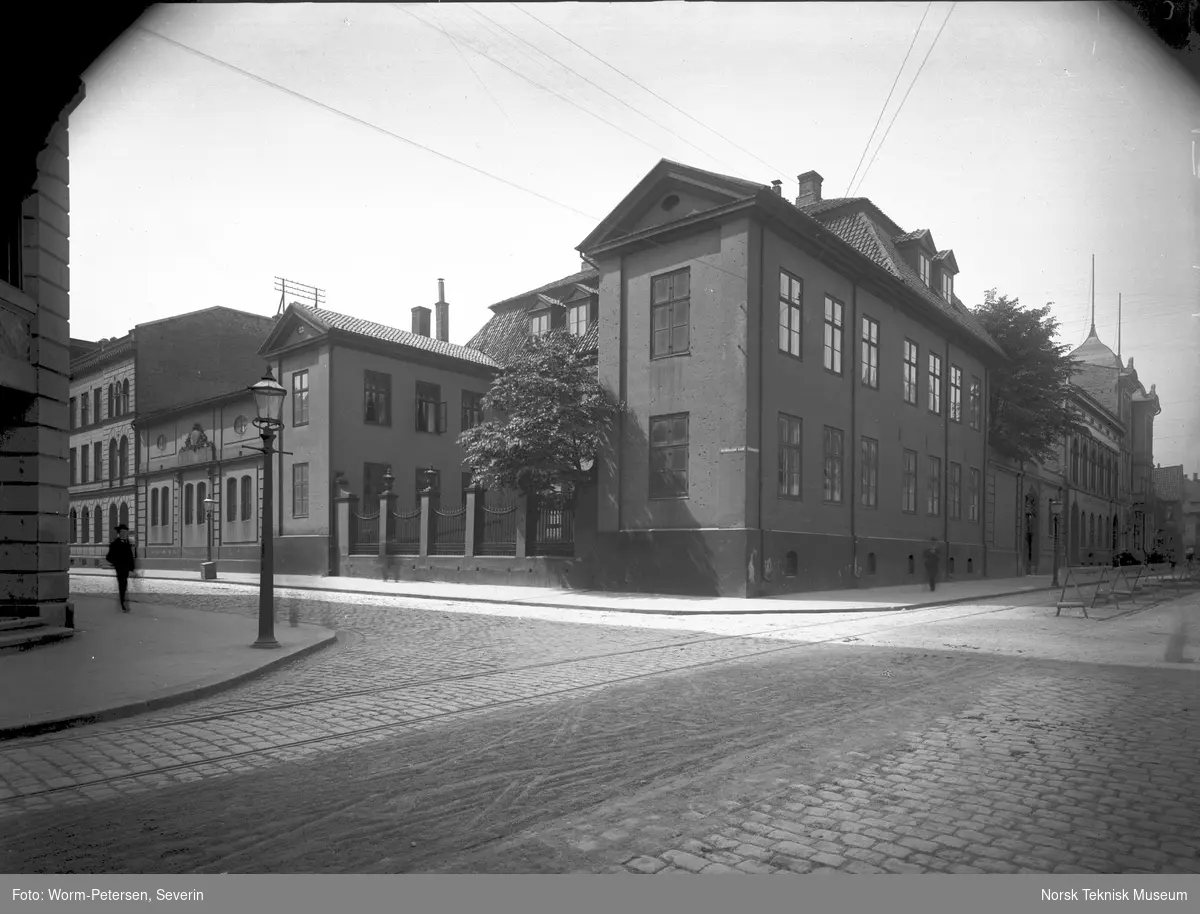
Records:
x=807, y=396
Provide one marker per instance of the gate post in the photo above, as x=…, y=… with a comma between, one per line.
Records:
x=473, y=535
x=387, y=505
x=429, y=500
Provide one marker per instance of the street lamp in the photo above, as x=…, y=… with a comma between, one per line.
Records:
x=268, y=403
x=1056, y=512
x=210, y=507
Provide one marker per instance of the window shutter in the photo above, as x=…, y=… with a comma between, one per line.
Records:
x=441, y=417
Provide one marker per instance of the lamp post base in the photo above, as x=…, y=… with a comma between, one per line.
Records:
x=268, y=645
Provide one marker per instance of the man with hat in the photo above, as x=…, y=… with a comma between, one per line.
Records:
x=120, y=556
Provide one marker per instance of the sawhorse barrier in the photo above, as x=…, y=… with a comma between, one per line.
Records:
x=1078, y=577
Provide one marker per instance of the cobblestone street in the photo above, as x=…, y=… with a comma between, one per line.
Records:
x=455, y=738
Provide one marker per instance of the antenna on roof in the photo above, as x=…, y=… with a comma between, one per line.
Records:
x=287, y=287
x=1118, y=326
x=1093, y=330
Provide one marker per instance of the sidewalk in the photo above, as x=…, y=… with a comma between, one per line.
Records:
x=878, y=599
x=119, y=664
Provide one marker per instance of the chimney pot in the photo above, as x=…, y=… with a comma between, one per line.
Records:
x=441, y=289
x=420, y=320
x=777, y=186
x=810, y=188
x=443, y=313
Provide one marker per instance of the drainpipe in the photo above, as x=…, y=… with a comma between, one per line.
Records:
x=854, y=385
x=945, y=481
x=985, y=411
x=623, y=390
x=762, y=351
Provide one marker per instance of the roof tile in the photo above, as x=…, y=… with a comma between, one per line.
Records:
x=372, y=330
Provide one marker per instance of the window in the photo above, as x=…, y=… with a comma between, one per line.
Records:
x=74, y=526
x=1074, y=459
x=112, y=520
x=869, y=481
x=431, y=411
x=976, y=403
x=377, y=396
x=670, y=323
x=832, y=443
x=955, y=393
x=201, y=507
x=86, y=526
x=84, y=414
x=472, y=409
x=910, y=372
x=112, y=459
x=73, y=467
x=299, y=398
x=373, y=486
x=71, y=416
x=111, y=403
x=539, y=323
x=791, y=313
x=955, y=494
x=154, y=507
x=123, y=514
x=166, y=506
x=790, y=429
x=83, y=464
x=125, y=397
x=247, y=498
x=98, y=460
x=973, y=497
x=123, y=457
x=870, y=353
x=947, y=285
x=791, y=565
x=935, y=383
x=231, y=500
x=933, y=497
x=833, y=335
x=909, y=494
x=300, y=490
x=577, y=319
x=669, y=456
x=923, y=266
x=187, y=504
x=96, y=405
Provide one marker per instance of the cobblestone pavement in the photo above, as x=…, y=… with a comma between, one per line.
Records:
x=543, y=746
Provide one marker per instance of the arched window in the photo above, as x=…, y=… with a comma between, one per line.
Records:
x=187, y=504
x=165, y=516
x=74, y=526
x=98, y=525
x=870, y=563
x=112, y=459
x=112, y=521
x=231, y=502
x=111, y=404
x=86, y=527
x=201, y=495
x=154, y=507
x=1075, y=460
x=125, y=397
x=791, y=564
x=124, y=513
x=245, y=498
x=123, y=456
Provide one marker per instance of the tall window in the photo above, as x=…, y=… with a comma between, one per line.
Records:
x=154, y=507
x=98, y=524
x=431, y=411
x=1074, y=459
x=123, y=514
x=74, y=469
x=472, y=409
x=83, y=464
x=71, y=417
x=577, y=319
x=300, y=490
x=125, y=397
x=955, y=487
x=231, y=500
x=670, y=321
x=973, y=496
x=933, y=497
x=976, y=403
x=669, y=456
x=870, y=353
x=955, y=393
x=377, y=398
x=935, y=383
x=112, y=459
x=98, y=460
x=96, y=405
x=112, y=520
x=909, y=492
x=947, y=285
x=123, y=456
x=791, y=313
x=833, y=335
x=84, y=412
x=539, y=323
x=111, y=403
x=201, y=497
x=923, y=264
x=86, y=526
x=910, y=372
x=188, y=504
x=247, y=498
x=74, y=526
x=166, y=506
x=870, y=473
x=790, y=431
x=300, y=398
x=832, y=445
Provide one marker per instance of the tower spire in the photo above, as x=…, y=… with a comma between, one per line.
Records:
x=1119, y=327
x=1092, y=332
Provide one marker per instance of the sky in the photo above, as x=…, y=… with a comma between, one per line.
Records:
x=370, y=149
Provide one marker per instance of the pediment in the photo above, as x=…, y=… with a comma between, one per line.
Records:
x=294, y=327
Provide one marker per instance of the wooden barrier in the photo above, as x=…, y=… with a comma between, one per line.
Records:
x=1125, y=586
x=1081, y=576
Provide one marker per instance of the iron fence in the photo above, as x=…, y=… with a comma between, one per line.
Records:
x=499, y=533
x=366, y=534
x=554, y=531
x=404, y=533
x=449, y=532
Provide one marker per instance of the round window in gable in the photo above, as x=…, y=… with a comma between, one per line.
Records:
x=670, y=202
x=162, y=442
x=239, y=424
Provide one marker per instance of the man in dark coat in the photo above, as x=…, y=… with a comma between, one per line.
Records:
x=120, y=556
x=932, y=558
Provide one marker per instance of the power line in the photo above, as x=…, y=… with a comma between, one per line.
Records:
x=359, y=120
x=651, y=91
x=601, y=88
x=892, y=122
x=895, y=81
x=482, y=84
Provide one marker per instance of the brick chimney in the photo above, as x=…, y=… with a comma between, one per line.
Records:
x=443, y=313
x=777, y=186
x=420, y=323
x=810, y=188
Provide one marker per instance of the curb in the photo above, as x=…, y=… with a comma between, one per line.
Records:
x=617, y=609
x=155, y=704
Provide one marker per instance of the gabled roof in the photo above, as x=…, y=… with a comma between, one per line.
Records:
x=589, y=278
x=506, y=332
x=947, y=258
x=326, y=321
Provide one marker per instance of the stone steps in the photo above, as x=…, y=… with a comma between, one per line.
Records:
x=22, y=634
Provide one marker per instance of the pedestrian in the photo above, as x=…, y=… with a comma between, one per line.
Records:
x=932, y=558
x=121, y=557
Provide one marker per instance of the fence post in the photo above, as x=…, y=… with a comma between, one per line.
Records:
x=527, y=511
x=429, y=502
x=387, y=505
x=474, y=521
x=347, y=506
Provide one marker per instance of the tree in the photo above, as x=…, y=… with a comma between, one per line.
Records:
x=1030, y=405
x=551, y=416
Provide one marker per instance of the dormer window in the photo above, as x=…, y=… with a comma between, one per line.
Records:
x=539, y=323
x=923, y=263
x=948, y=286
x=577, y=319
